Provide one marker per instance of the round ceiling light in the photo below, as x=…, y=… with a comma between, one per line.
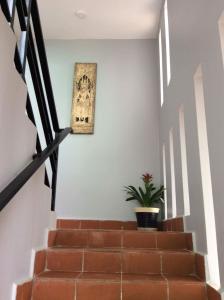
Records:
x=81, y=14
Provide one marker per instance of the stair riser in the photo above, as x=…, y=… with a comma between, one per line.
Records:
x=125, y=262
x=103, y=290
x=120, y=239
x=96, y=224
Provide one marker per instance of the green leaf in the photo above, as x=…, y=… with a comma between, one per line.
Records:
x=131, y=190
x=146, y=198
x=143, y=196
x=158, y=194
x=130, y=198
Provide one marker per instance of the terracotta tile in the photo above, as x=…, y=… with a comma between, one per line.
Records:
x=186, y=291
x=170, y=225
x=144, y=290
x=54, y=289
x=111, y=225
x=72, y=238
x=24, y=291
x=51, y=238
x=68, y=224
x=40, y=262
x=62, y=275
x=106, y=262
x=200, y=266
x=141, y=277
x=178, y=225
x=100, y=276
x=175, y=225
x=183, y=278
x=58, y=223
x=161, y=226
x=178, y=263
x=130, y=225
x=90, y=224
x=164, y=226
x=98, y=290
x=189, y=241
x=107, y=239
x=170, y=240
x=213, y=294
x=64, y=260
x=141, y=262
x=138, y=239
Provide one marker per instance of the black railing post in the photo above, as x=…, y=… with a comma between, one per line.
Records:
x=44, y=64
x=45, y=101
x=54, y=185
x=5, y=9
x=35, y=73
x=46, y=179
x=13, y=13
x=21, y=15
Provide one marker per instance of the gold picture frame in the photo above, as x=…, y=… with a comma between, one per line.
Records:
x=84, y=97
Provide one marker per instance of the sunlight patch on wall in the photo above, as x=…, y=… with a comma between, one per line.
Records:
x=161, y=67
x=164, y=179
x=172, y=170
x=221, y=34
x=212, y=257
x=184, y=162
x=167, y=34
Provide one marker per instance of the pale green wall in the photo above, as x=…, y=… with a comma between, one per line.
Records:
x=94, y=168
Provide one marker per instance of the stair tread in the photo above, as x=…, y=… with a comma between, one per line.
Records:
x=184, y=278
x=120, y=230
x=139, y=250
x=94, y=276
x=57, y=275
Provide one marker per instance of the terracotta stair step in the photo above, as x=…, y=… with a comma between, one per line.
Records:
x=111, y=260
x=121, y=249
x=80, y=276
x=120, y=239
x=58, y=275
x=121, y=260
x=141, y=287
x=186, y=288
x=99, y=286
x=96, y=224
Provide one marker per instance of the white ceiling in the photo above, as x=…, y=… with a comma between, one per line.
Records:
x=106, y=19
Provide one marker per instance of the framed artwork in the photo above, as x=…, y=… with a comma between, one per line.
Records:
x=84, y=94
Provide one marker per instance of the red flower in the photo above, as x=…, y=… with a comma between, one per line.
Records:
x=147, y=177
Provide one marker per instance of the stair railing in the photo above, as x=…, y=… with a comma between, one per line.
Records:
x=30, y=49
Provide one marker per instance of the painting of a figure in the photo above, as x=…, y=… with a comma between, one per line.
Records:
x=84, y=93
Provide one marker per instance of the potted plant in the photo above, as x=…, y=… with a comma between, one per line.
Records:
x=148, y=196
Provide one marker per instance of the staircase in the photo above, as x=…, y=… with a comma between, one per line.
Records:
x=111, y=260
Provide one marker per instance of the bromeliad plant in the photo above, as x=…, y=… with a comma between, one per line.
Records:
x=148, y=196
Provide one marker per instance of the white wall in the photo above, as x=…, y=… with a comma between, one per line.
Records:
x=194, y=40
x=23, y=222
x=94, y=168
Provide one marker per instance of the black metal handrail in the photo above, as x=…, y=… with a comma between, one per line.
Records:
x=35, y=56
x=15, y=185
